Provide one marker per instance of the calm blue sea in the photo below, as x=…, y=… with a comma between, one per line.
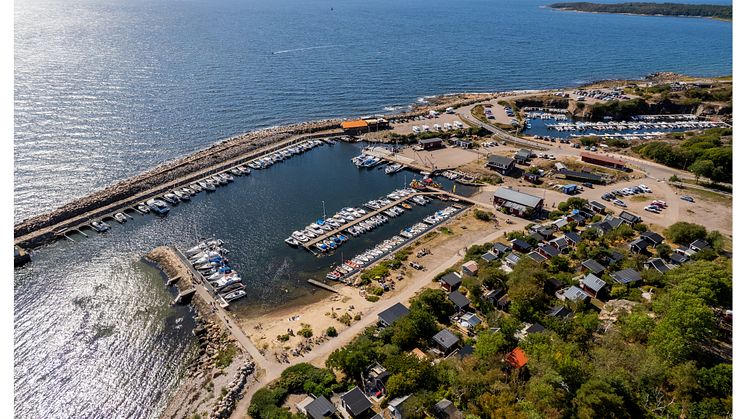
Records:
x=107, y=89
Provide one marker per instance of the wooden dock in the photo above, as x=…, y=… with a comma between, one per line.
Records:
x=213, y=293
x=322, y=285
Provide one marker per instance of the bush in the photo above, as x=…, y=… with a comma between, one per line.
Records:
x=305, y=330
x=685, y=233
x=331, y=331
x=482, y=215
x=372, y=298
x=345, y=319
x=283, y=338
x=225, y=355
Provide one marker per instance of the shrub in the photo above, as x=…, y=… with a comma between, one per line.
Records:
x=482, y=215
x=305, y=330
x=225, y=355
x=331, y=331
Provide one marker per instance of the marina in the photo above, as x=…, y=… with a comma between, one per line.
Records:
x=208, y=261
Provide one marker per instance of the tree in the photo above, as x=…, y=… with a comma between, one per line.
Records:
x=684, y=233
x=417, y=326
x=435, y=302
x=702, y=168
x=663, y=251
x=489, y=345
x=354, y=358
x=636, y=326
x=601, y=398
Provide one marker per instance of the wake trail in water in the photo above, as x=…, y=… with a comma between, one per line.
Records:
x=285, y=51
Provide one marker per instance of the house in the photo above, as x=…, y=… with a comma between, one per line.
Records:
x=654, y=238
x=602, y=227
x=469, y=320
x=658, y=264
x=517, y=358
x=318, y=408
x=580, y=176
x=578, y=217
x=489, y=257
x=576, y=295
x=548, y=251
x=450, y=281
x=522, y=156
x=698, y=245
x=445, y=409
x=626, y=276
x=600, y=160
x=459, y=300
x=512, y=259
x=560, y=312
x=551, y=286
x=528, y=329
x=375, y=382
x=592, y=266
x=461, y=143
x=570, y=189
x=537, y=257
x=446, y=341
x=531, y=177
x=465, y=351
x=560, y=244
x=560, y=222
x=593, y=285
x=639, y=245
x=573, y=238
x=597, y=207
x=614, y=222
x=678, y=258
x=614, y=257
x=431, y=143
x=396, y=407
x=517, y=203
x=500, y=248
x=355, y=127
x=629, y=218
x=520, y=245
x=503, y=165
x=493, y=295
x=546, y=232
x=536, y=236
x=390, y=315
x=356, y=403
x=417, y=352
x=470, y=268
x=504, y=302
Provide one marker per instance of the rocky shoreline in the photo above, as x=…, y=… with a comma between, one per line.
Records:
x=215, y=378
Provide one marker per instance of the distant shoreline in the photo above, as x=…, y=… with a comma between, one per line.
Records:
x=612, y=9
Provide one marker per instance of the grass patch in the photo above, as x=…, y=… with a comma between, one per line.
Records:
x=226, y=355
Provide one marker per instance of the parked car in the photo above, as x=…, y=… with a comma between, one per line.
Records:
x=619, y=203
x=687, y=198
x=645, y=188
x=653, y=208
x=588, y=184
x=660, y=203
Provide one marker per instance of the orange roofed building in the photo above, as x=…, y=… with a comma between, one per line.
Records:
x=517, y=358
x=359, y=126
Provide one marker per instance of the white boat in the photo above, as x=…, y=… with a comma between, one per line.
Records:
x=234, y=295
x=142, y=208
x=292, y=242
x=120, y=217
x=158, y=206
x=99, y=226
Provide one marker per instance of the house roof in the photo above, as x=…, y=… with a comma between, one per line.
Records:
x=393, y=313
x=459, y=299
x=536, y=236
x=640, y=243
x=445, y=338
x=602, y=158
x=466, y=351
x=573, y=237
x=559, y=311
x=591, y=177
x=471, y=266
x=499, y=161
x=626, y=276
x=560, y=222
x=535, y=328
x=523, y=153
x=431, y=140
x=699, y=244
x=537, y=257
x=489, y=256
x=471, y=319
x=447, y=408
x=576, y=294
x=615, y=256
x=629, y=217
x=517, y=358
x=593, y=282
x=358, y=123
x=659, y=265
x=604, y=226
x=320, y=408
x=598, y=205
x=652, y=237
x=512, y=195
x=356, y=401
x=560, y=242
x=678, y=258
x=549, y=250
x=398, y=401
x=500, y=248
x=514, y=258
x=451, y=279
x=593, y=266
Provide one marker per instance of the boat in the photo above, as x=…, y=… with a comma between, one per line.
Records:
x=181, y=195
x=99, y=226
x=171, y=198
x=158, y=206
x=234, y=295
x=236, y=172
x=197, y=188
x=120, y=217
x=244, y=170
x=227, y=177
x=292, y=242
x=142, y=208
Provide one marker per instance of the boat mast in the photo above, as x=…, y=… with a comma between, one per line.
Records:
x=323, y=206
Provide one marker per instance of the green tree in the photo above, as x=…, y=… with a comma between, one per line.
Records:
x=683, y=232
x=490, y=345
x=435, y=302
x=601, y=398
x=702, y=168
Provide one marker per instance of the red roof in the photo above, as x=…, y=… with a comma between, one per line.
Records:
x=599, y=157
x=517, y=358
x=354, y=124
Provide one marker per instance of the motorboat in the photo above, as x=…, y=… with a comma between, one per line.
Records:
x=234, y=295
x=244, y=170
x=100, y=226
x=171, y=198
x=236, y=172
x=292, y=242
x=158, y=206
x=181, y=195
x=120, y=217
x=142, y=208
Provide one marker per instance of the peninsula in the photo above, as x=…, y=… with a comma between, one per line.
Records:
x=715, y=11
